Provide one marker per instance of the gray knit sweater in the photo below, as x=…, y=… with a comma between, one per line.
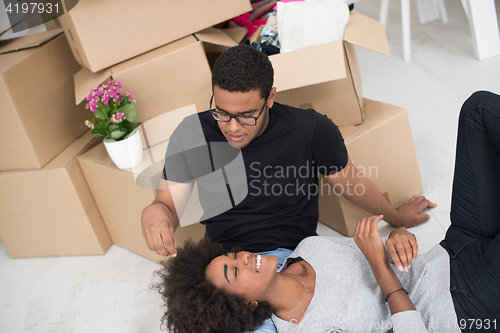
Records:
x=347, y=297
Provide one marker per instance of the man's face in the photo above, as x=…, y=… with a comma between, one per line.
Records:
x=242, y=104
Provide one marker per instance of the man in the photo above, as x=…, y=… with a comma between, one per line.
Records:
x=271, y=135
x=275, y=141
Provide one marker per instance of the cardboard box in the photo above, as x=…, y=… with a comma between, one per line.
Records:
x=382, y=148
x=326, y=77
x=121, y=201
x=121, y=195
x=51, y=212
x=39, y=115
x=166, y=78
x=104, y=33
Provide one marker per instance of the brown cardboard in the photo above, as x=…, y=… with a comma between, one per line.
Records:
x=121, y=202
x=29, y=41
x=39, y=116
x=237, y=34
x=51, y=212
x=382, y=148
x=100, y=40
x=320, y=63
x=326, y=77
x=338, y=99
x=166, y=78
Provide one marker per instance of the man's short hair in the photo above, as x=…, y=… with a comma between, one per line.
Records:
x=243, y=68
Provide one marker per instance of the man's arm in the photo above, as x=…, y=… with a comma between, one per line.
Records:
x=161, y=218
x=374, y=202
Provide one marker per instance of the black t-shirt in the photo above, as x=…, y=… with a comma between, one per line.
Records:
x=264, y=196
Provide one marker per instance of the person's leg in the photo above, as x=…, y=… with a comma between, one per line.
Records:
x=475, y=207
x=282, y=254
x=473, y=239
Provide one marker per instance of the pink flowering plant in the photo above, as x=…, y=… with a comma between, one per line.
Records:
x=114, y=112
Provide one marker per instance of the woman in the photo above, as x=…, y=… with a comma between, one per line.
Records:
x=341, y=284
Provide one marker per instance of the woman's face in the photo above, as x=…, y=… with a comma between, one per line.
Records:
x=244, y=274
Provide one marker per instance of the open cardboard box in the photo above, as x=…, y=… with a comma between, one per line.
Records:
x=104, y=33
x=51, y=212
x=121, y=195
x=326, y=77
x=39, y=116
x=166, y=78
x=382, y=148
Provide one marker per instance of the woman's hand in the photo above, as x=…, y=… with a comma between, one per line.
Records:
x=402, y=247
x=369, y=242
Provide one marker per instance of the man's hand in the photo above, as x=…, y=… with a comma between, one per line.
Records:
x=374, y=202
x=368, y=239
x=158, y=230
x=410, y=211
x=402, y=247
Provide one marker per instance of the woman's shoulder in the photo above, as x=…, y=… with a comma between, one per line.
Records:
x=327, y=241
x=322, y=246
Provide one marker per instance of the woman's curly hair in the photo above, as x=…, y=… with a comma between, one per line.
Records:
x=194, y=304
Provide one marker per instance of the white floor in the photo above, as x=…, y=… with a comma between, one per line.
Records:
x=110, y=293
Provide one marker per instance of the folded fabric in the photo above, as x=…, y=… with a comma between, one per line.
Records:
x=272, y=22
x=286, y=1
x=311, y=22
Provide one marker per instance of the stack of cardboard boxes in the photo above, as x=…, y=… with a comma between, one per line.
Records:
x=46, y=207
x=162, y=54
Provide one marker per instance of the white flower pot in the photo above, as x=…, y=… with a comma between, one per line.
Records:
x=126, y=153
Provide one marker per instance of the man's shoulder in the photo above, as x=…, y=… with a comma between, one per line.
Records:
x=288, y=108
x=197, y=128
x=298, y=114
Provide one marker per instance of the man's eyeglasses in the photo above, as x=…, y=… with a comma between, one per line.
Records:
x=243, y=120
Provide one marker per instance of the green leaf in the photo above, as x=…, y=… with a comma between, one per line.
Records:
x=132, y=115
x=130, y=134
x=130, y=126
x=135, y=125
x=98, y=131
x=117, y=134
x=127, y=125
x=109, y=140
x=130, y=111
x=99, y=114
x=112, y=127
x=126, y=108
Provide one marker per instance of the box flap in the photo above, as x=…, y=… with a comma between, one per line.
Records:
x=215, y=36
x=352, y=131
x=311, y=65
x=160, y=128
x=366, y=32
x=154, y=55
x=29, y=41
x=72, y=151
x=384, y=112
x=85, y=80
x=7, y=60
x=98, y=154
x=256, y=35
x=6, y=30
x=236, y=34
